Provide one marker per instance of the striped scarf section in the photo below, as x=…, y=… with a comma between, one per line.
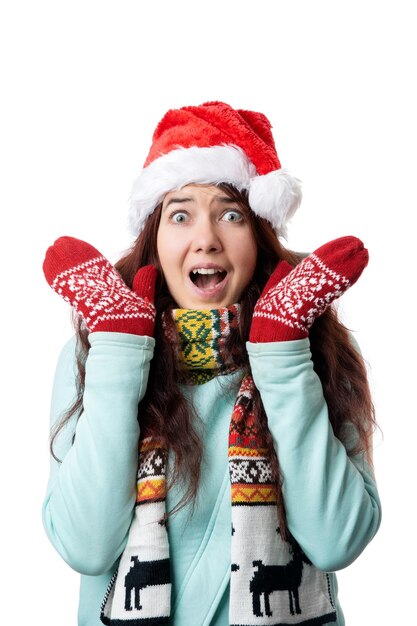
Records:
x=272, y=582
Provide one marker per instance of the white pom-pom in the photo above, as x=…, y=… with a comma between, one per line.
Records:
x=275, y=196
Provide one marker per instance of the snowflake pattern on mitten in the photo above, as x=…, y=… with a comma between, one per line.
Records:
x=287, y=308
x=96, y=290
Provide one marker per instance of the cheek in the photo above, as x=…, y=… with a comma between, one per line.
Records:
x=245, y=262
x=170, y=251
x=248, y=265
x=248, y=253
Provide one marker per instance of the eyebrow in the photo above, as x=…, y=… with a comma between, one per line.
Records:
x=223, y=199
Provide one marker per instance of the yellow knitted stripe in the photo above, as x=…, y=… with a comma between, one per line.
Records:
x=151, y=489
x=253, y=494
x=249, y=452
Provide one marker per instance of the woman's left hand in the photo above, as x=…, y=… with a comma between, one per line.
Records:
x=294, y=297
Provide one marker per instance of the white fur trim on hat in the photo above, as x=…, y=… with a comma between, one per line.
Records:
x=274, y=196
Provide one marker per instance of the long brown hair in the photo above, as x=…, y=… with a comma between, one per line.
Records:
x=165, y=411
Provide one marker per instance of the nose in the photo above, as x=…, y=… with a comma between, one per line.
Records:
x=206, y=238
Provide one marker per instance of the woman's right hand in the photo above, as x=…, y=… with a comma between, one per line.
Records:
x=83, y=277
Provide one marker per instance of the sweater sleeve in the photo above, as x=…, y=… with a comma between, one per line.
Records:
x=331, y=499
x=91, y=492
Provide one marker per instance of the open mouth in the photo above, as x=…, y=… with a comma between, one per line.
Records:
x=207, y=278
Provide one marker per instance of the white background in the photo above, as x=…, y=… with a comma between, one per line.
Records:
x=83, y=86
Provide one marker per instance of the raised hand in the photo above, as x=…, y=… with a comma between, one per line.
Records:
x=294, y=297
x=83, y=277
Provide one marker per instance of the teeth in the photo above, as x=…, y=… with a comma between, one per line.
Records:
x=203, y=270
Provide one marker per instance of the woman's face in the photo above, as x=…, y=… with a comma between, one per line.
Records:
x=206, y=247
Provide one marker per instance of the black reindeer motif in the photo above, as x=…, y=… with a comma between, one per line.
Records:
x=144, y=574
x=269, y=578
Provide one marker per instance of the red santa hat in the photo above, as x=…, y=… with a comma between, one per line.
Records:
x=210, y=144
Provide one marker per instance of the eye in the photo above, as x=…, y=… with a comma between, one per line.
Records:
x=178, y=217
x=233, y=215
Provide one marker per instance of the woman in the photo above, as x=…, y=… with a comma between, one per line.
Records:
x=217, y=352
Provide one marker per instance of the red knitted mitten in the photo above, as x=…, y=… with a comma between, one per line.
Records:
x=291, y=300
x=85, y=279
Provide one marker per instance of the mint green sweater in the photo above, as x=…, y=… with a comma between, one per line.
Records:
x=331, y=500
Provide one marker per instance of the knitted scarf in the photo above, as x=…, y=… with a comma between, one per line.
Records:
x=272, y=582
